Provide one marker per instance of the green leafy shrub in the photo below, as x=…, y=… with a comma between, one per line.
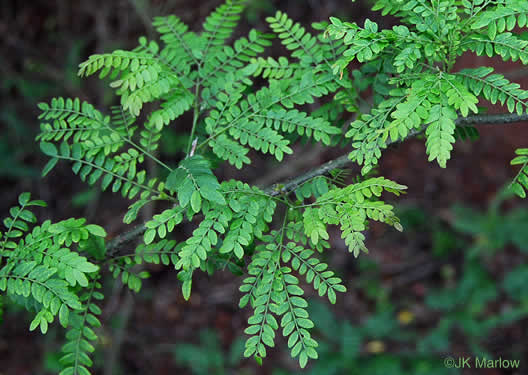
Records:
x=207, y=356
x=393, y=339
x=274, y=234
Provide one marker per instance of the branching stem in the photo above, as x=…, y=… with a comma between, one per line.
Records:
x=195, y=117
x=340, y=162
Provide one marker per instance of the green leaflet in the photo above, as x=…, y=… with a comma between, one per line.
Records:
x=81, y=333
x=351, y=207
x=274, y=293
x=303, y=45
x=162, y=224
x=495, y=88
x=192, y=180
x=519, y=185
x=503, y=17
x=317, y=273
x=440, y=133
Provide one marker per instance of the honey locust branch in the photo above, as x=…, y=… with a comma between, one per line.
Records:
x=117, y=243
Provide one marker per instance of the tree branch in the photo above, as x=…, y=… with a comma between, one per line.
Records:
x=118, y=242
x=495, y=119
x=342, y=161
x=288, y=186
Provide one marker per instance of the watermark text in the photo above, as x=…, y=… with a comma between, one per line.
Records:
x=481, y=362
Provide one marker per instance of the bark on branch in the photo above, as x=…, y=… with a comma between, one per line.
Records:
x=118, y=242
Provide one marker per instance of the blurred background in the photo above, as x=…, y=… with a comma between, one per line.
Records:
x=452, y=284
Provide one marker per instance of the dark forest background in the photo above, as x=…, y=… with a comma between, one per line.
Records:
x=452, y=284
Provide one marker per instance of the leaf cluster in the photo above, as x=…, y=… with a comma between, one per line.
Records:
x=242, y=102
x=424, y=93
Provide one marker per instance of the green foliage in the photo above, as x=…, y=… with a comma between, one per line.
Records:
x=243, y=102
x=495, y=88
x=81, y=333
x=41, y=267
x=519, y=184
x=207, y=356
x=351, y=207
x=347, y=344
x=495, y=229
x=324, y=281
x=273, y=292
x=314, y=187
x=194, y=180
x=343, y=343
x=464, y=302
x=424, y=92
